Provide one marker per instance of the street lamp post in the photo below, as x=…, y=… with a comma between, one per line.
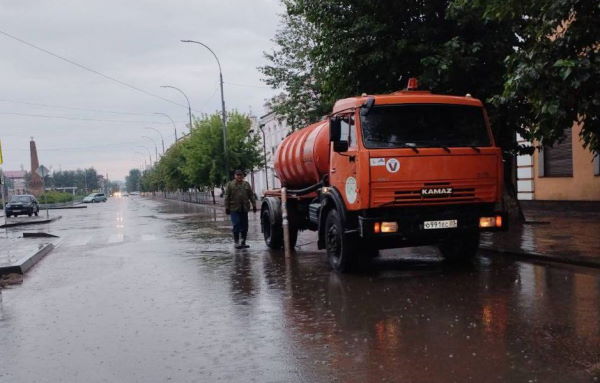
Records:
x=162, y=140
x=155, y=147
x=261, y=127
x=186, y=98
x=144, y=158
x=149, y=153
x=222, y=104
x=172, y=122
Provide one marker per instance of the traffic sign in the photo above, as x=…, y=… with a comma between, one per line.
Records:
x=42, y=171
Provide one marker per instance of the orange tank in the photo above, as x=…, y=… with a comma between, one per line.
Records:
x=302, y=158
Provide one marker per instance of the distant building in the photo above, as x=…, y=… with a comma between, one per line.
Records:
x=18, y=181
x=563, y=172
x=273, y=129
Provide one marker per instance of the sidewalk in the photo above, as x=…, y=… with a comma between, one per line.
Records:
x=566, y=233
x=18, y=254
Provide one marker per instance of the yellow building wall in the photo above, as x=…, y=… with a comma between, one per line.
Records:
x=582, y=186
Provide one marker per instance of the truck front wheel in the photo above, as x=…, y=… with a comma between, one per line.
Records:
x=461, y=248
x=340, y=252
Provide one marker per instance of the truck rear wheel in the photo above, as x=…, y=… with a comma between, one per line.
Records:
x=460, y=249
x=340, y=250
x=272, y=231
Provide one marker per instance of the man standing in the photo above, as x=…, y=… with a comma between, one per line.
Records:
x=238, y=199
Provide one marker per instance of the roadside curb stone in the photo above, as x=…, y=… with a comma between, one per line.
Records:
x=571, y=259
x=27, y=262
x=32, y=222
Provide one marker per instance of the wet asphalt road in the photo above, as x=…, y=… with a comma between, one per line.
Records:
x=148, y=291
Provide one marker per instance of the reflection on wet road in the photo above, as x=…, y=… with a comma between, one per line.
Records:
x=147, y=291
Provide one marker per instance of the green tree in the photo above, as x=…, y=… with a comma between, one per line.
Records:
x=534, y=62
x=553, y=74
x=203, y=150
x=171, y=165
x=132, y=181
x=333, y=49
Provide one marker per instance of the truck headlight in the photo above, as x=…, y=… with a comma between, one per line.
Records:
x=485, y=222
x=385, y=227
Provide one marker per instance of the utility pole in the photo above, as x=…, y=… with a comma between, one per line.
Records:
x=262, y=127
x=162, y=140
x=2, y=184
x=173, y=122
x=224, y=114
x=188, y=102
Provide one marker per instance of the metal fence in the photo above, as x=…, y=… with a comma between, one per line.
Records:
x=189, y=196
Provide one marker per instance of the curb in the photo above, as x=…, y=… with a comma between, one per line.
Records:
x=208, y=204
x=67, y=207
x=576, y=260
x=30, y=222
x=28, y=262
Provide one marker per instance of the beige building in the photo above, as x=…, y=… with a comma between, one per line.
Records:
x=563, y=172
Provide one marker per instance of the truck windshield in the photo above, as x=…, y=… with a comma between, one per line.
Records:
x=424, y=125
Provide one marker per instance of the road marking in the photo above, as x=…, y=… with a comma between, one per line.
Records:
x=81, y=241
x=148, y=237
x=116, y=238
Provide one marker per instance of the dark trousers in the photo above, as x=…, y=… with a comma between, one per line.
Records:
x=240, y=221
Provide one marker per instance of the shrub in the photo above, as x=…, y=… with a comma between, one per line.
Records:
x=54, y=197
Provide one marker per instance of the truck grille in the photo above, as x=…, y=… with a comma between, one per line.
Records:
x=400, y=193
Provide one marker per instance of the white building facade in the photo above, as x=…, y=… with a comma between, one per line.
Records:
x=273, y=131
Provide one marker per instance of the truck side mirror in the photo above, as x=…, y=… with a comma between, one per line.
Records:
x=340, y=146
x=335, y=129
x=335, y=135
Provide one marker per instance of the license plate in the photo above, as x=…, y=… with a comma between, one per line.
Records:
x=445, y=224
x=16, y=211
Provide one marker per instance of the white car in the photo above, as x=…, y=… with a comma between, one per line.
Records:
x=95, y=197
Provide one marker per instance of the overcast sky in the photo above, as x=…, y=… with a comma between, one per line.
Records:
x=137, y=42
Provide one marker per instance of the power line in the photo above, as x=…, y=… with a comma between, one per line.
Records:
x=81, y=66
x=79, y=118
x=74, y=108
x=77, y=148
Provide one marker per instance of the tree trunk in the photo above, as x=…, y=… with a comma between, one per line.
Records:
x=509, y=196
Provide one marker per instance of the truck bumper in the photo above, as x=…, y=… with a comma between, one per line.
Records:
x=427, y=226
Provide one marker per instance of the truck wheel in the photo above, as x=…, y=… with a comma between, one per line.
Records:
x=460, y=249
x=339, y=249
x=272, y=231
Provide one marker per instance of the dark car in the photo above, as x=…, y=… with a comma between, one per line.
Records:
x=22, y=204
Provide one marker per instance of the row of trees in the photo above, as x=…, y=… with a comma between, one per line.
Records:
x=536, y=63
x=83, y=179
x=196, y=161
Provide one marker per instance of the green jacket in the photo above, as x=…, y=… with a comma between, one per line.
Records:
x=239, y=196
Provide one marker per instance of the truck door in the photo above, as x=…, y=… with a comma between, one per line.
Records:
x=344, y=165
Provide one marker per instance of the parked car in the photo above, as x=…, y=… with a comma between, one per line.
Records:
x=95, y=197
x=22, y=204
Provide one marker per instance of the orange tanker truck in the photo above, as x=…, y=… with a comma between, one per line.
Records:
x=404, y=169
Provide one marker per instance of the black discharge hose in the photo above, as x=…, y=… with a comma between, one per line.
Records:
x=311, y=188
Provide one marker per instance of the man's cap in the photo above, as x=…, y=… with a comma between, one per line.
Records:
x=238, y=172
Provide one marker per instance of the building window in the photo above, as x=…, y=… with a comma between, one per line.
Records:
x=557, y=160
x=597, y=165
